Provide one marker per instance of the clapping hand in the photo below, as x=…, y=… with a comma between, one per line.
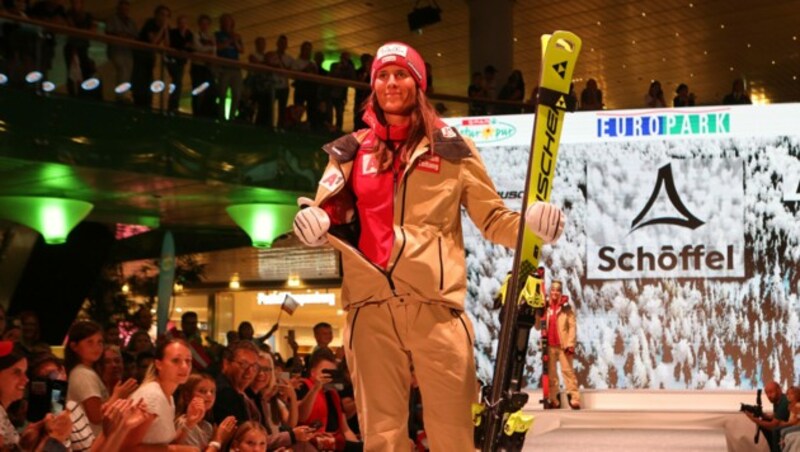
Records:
x=123, y=389
x=195, y=412
x=225, y=430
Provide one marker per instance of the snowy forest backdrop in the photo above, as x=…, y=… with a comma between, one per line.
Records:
x=668, y=332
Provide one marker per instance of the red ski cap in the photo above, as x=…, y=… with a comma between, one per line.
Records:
x=400, y=54
x=6, y=347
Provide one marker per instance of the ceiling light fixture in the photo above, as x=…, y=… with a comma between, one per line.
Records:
x=54, y=218
x=263, y=222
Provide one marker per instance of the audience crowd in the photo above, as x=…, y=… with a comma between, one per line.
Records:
x=259, y=97
x=181, y=392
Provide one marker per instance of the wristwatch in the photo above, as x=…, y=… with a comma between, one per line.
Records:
x=215, y=445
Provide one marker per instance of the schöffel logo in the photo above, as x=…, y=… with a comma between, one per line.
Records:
x=486, y=130
x=664, y=123
x=690, y=224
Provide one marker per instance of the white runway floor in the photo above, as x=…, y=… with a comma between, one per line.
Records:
x=625, y=440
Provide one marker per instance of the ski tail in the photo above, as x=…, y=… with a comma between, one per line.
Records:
x=503, y=424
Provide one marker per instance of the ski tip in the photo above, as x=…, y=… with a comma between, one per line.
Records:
x=565, y=40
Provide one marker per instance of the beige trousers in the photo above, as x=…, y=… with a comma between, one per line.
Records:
x=556, y=355
x=383, y=342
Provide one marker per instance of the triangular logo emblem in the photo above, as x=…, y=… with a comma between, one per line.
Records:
x=561, y=68
x=666, y=181
x=561, y=103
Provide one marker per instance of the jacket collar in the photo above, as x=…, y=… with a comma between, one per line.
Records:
x=448, y=144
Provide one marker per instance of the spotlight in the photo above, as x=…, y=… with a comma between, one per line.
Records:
x=171, y=88
x=122, y=88
x=157, y=86
x=3, y=79
x=48, y=87
x=200, y=88
x=424, y=16
x=33, y=77
x=90, y=84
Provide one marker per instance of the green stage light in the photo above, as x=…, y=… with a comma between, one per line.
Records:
x=263, y=222
x=54, y=218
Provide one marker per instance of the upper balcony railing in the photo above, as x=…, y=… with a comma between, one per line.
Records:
x=57, y=59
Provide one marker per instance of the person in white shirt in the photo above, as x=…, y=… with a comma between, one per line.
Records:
x=171, y=368
x=84, y=387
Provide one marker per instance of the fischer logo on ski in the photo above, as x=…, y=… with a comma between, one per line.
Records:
x=500, y=423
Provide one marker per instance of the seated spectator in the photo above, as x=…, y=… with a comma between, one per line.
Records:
x=140, y=342
x=250, y=437
x=239, y=365
x=111, y=335
x=771, y=423
x=110, y=369
x=683, y=97
x=84, y=349
x=791, y=435
x=200, y=391
x=53, y=431
x=47, y=373
x=320, y=404
x=239, y=368
x=31, y=339
x=171, y=368
x=276, y=400
x=738, y=95
x=655, y=96
x=591, y=97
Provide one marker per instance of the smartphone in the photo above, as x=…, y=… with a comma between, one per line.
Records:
x=337, y=376
x=56, y=401
x=315, y=425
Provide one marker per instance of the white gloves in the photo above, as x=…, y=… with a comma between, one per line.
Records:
x=311, y=223
x=545, y=220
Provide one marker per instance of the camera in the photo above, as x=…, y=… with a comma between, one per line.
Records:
x=756, y=410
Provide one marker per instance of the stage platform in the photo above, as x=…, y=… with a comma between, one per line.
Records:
x=638, y=420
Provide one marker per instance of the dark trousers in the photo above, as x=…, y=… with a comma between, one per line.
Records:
x=175, y=71
x=205, y=103
x=141, y=80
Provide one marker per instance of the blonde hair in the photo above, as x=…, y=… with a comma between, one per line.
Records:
x=244, y=429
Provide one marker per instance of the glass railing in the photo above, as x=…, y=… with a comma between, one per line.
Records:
x=57, y=60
